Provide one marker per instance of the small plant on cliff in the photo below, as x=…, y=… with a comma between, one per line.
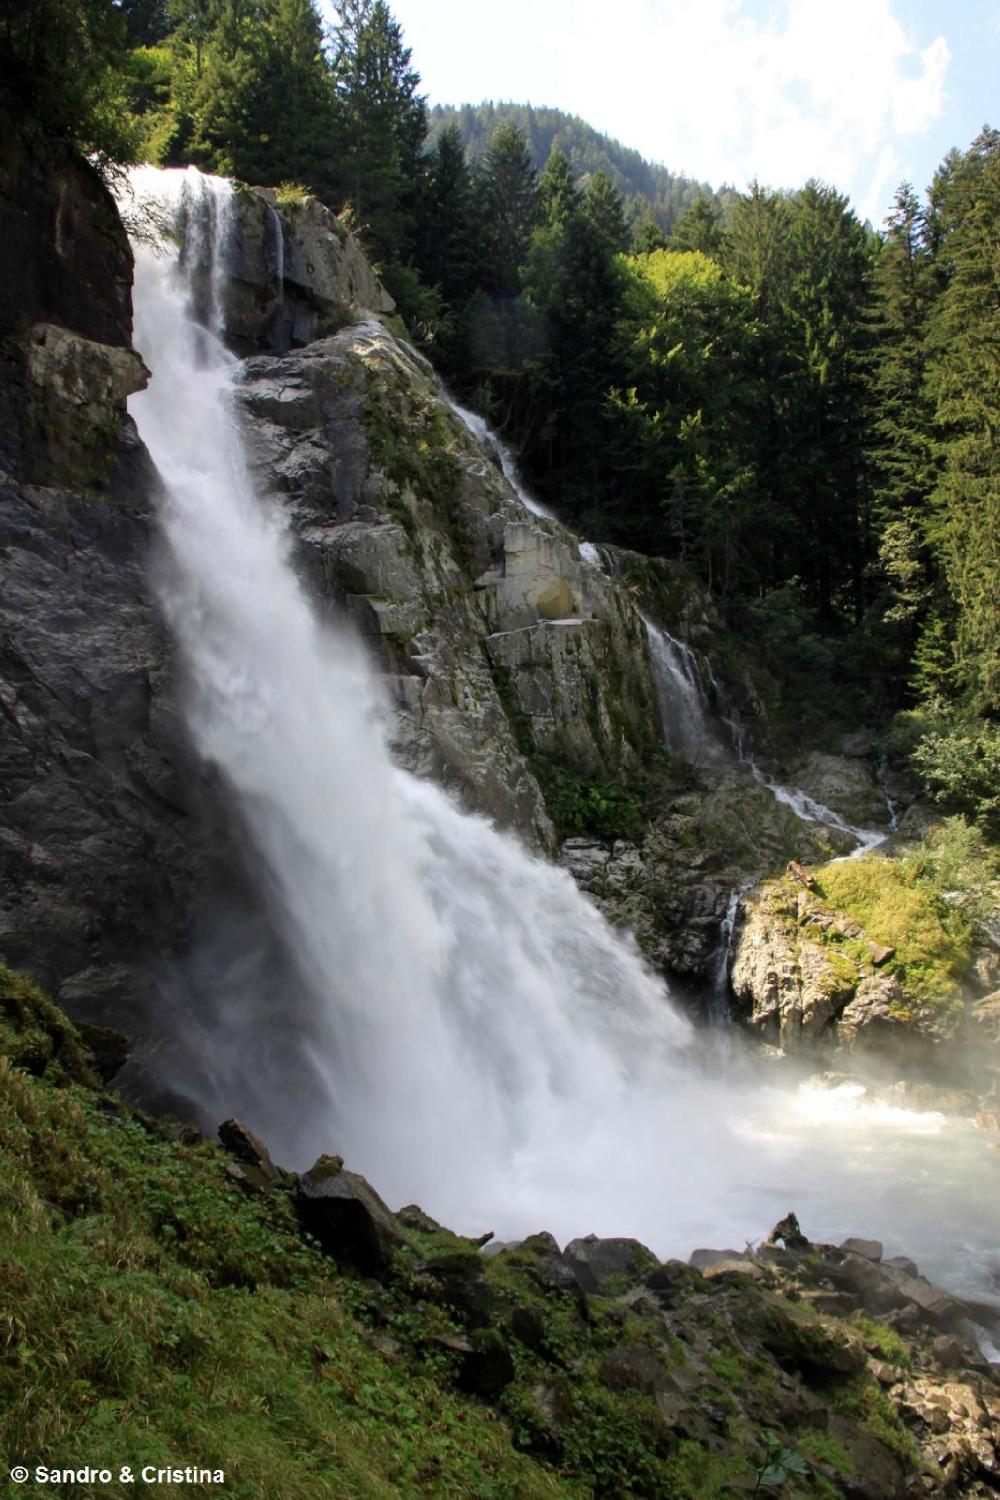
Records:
x=777, y=1464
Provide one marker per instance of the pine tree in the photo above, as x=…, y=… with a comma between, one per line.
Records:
x=510, y=193
x=262, y=108
x=964, y=350
x=902, y=450
x=62, y=86
x=606, y=215
x=448, y=231
x=380, y=124
x=559, y=198
x=699, y=228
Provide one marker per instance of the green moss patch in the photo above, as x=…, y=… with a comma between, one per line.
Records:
x=899, y=908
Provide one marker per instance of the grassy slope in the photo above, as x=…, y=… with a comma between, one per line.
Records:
x=153, y=1313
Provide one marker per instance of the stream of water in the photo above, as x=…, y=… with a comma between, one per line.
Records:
x=465, y=1028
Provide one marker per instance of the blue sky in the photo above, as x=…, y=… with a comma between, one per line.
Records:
x=861, y=93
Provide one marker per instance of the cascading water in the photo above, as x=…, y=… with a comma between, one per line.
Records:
x=483, y=433
x=687, y=729
x=680, y=697
x=465, y=1028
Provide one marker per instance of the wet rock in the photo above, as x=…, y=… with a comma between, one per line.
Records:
x=672, y=1282
x=902, y=1263
x=934, y=1305
x=460, y=1283
x=702, y=1258
x=633, y=1367
x=106, y=1049
x=487, y=1369
x=860, y=1276
x=527, y=1325
x=553, y=1405
x=251, y=1179
x=795, y=1336
x=348, y=1217
x=724, y=1270
x=610, y=1265
x=876, y=1473
x=413, y=1217
x=948, y=1352
x=249, y=1149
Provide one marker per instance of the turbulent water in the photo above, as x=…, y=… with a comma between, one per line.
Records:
x=464, y=1027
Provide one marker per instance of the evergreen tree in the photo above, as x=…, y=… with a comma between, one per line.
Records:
x=964, y=350
x=510, y=194
x=62, y=85
x=380, y=124
x=902, y=452
x=699, y=228
x=448, y=231
x=606, y=215
x=262, y=108
x=559, y=198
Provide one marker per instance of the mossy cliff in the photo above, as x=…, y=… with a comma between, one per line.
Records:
x=165, y=1302
x=888, y=961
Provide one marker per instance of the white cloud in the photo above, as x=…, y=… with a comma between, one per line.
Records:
x=722, y=89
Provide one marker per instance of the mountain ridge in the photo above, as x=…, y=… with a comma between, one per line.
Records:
x=589, y=150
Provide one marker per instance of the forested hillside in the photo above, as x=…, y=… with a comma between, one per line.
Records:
x=651, y=193
x=802, y=410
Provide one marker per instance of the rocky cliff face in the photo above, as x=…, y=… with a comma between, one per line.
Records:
x=812, y=983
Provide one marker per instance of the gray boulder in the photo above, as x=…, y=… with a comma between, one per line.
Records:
x=348, y=1217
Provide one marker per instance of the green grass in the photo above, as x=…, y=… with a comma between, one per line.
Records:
x=822, y=1447
x=886, y=1340
x=899, y=906
x=151, y=1312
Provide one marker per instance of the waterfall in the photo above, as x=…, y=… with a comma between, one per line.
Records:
x=279, y=249
x=483, y=433
x=463, y=1025
x=680, y=697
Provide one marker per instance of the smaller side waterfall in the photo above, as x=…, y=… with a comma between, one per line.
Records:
x=483, y=432
x=684, y=713
x=279, y=249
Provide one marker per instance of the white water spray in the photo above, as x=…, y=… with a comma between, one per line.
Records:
x=466, y=1029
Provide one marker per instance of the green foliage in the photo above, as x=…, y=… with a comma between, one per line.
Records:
x=868, y=1404
x=900, y=903
x=886, y=1340
x=35, y=1035
x=583, y=806
x=62, y=85
x=148, y=1307
x=649, y=191
x=777, y=1464
x=823, y=1447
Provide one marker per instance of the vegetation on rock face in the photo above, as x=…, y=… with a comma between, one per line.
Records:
x=923, y=905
